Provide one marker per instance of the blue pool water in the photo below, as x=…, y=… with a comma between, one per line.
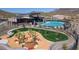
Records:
x=53, y=23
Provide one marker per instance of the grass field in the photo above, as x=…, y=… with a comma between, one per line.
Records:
x=49, y=35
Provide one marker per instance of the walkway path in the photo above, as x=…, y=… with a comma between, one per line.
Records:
x=4, y=47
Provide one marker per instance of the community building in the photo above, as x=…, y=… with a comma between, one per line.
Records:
x=32, y=17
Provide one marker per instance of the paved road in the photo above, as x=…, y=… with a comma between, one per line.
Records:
x=56, y=46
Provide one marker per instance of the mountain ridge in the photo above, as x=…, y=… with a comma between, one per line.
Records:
x=62, y=11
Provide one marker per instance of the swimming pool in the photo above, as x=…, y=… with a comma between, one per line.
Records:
x=53, y=23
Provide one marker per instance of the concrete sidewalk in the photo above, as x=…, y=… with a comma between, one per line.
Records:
x=4, y=47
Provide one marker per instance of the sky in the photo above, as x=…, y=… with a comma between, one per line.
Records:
x=27, y=10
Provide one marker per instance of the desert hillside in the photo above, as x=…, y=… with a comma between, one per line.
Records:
x=6, y=14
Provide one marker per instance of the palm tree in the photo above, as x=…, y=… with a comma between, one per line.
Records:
x=21, y=37
x=33, y=35
x=23, y=25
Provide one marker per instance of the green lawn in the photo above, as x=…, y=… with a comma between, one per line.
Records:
x=49, y=35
